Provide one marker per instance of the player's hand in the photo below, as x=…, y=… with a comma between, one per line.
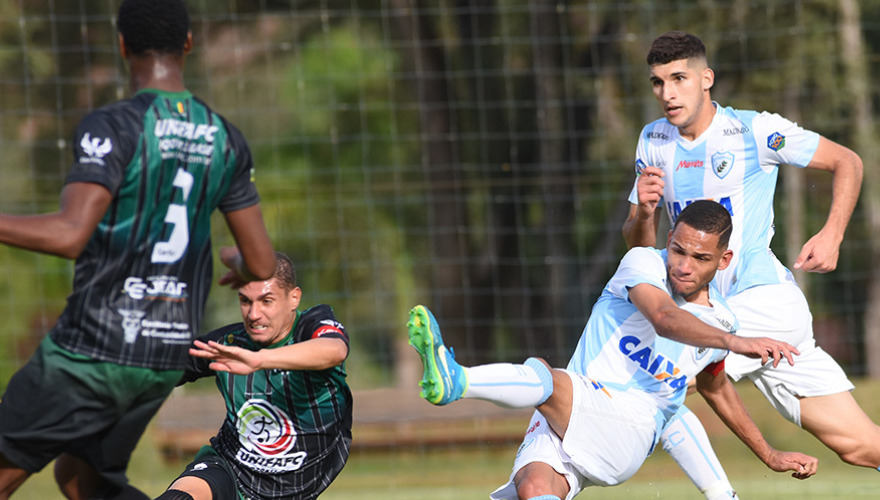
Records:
x=231, y=258
x=226, y=358
x=764, y=348
x=803, y=466
x=650, y=189
x=819, y=254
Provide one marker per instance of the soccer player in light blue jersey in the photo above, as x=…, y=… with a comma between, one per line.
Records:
x=597, y=420
x=701, y=150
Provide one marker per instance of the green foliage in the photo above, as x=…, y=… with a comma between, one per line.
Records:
x=474, y=159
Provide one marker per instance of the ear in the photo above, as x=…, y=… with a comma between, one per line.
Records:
x=295, y=296
x=188, y=43
x=669, y=237
x=123, y=51
x=708, y=78
x=726, y=257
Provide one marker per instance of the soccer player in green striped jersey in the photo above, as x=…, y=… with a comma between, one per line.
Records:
x=287, y=432
x=135, y=210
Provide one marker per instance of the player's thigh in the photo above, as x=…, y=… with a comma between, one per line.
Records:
x=47, y=405
x=814, y=374
x=610, y=432
x=542, y=446
x=840, y=423
x=557, y=408
x=134, y=396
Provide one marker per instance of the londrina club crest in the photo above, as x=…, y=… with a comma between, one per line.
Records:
x=722, y=163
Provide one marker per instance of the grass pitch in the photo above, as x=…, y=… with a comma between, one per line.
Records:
x=472, y=472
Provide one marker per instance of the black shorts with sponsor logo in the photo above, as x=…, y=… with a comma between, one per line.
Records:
x=62, y=402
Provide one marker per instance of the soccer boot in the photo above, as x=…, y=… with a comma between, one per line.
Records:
x=444, y=380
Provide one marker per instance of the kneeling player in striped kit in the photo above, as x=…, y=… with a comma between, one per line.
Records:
x=287, y=432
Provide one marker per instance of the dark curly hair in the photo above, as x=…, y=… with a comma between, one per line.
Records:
x=160, y=26
x=707, y=216
x=674, y=46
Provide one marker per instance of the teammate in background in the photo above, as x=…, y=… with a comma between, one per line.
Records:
x=135, y=214
x=287, y=431
x=598, y=419
x=700, y=150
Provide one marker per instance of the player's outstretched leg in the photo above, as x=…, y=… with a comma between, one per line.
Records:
x=444, y=380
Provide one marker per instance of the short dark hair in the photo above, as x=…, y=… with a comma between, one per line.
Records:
x=674, y=46
x=707, y=216
x=285, y=272
x=153, y=25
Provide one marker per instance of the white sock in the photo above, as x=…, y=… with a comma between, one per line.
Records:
x=685, y=439
x=510, y=385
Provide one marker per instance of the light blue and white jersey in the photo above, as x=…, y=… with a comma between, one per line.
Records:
x=733, y=162
x=620, y=349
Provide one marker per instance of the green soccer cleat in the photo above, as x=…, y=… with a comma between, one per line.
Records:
x=444, y=380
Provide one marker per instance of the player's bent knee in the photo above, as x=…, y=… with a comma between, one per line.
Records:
x=174, y=495
x=863, y=456
x=539, y=479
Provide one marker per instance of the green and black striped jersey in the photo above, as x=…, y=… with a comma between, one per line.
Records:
x=287, y=434
x=141, y=283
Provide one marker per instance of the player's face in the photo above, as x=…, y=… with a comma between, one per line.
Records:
x=682, y=89
x=692, y=259
x=267, y=310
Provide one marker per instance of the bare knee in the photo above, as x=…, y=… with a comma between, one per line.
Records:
x=11, y=477
x=76, y=479
x=862, y=450
x=862, y=454
x=196, y=487
x=536, y=479
x=840, y=423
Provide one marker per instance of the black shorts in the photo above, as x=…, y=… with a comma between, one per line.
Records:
x=215, y=471
x=62, y=402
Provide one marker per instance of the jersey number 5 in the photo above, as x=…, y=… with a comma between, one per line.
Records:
x=173, y=249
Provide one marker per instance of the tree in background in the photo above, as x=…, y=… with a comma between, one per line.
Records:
x=474, y=156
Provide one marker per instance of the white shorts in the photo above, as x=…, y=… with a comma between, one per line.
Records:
x=609, y=435
x=781, y=312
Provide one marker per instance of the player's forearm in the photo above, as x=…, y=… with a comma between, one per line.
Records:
x=677, y=324
x=726, y=403
x=256, y=259
x=50, y=234
x=846, y=185
x=314, y=354
x=639, y=230
x=64, y=233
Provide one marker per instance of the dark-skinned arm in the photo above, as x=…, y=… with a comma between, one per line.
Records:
x=64, y=233
x=253, y=258
x=675, y=323
x=725, y=401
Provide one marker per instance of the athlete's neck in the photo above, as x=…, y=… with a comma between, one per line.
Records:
x=161, y=72
x=701, y=297
x=701, y=124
